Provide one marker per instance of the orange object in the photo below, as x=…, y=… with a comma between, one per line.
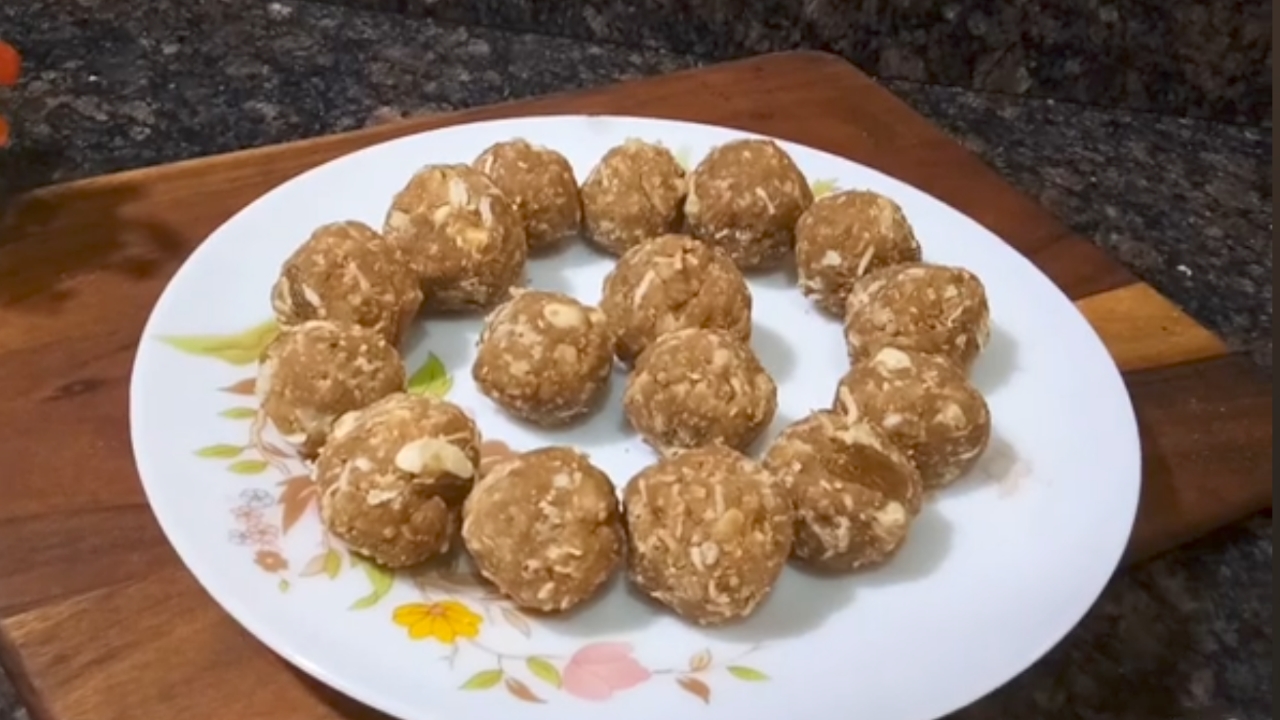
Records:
x=10, y=65
x=10, y=69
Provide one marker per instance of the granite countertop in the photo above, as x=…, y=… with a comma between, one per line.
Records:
x=1189, y=57
x=1186, y=204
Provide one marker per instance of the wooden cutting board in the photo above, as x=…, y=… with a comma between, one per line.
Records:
x=100, y=621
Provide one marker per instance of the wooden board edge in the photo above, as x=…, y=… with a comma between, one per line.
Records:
x=1079, y=267
x=1136, y=554
x=1225, y=405
x=25, y=690
x=126, y=536
x=1142, y=329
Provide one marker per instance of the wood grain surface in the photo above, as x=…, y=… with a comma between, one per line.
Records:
x=99, y=619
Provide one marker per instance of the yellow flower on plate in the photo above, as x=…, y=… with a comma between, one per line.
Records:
x=445, y=621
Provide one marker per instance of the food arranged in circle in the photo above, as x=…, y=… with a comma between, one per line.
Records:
x=918, y=306
x=636, y=192
x=315, y=373
x=925, y=404
x=461, y=233
x=545, y=528
x=745, y=197
x=544, y=357
x=393, y=476
x=669, y=283
x=853, y=492
x=709, y=532
x=348, y=272
x=540, y=185
x=696, y=387
x=845, y=235
x=705, y=529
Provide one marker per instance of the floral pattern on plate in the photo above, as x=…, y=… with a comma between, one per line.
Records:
x=456, y=608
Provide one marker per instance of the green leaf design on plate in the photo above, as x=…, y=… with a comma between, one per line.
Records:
x=431, y=379
x=238, y=413
x=220, y=452
x=366, y=602
x=380, y=581
x=742, y=672
x=823, y=186
x=283, y=585
x=544, y=671
x=482, y=680
x=332, y=563
x=248, y=467
x=239, y=349
x=315, y=565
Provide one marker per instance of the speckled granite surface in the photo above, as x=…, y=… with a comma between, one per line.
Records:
x=1202, y=59
x=1184, y=203
x=1187, y=204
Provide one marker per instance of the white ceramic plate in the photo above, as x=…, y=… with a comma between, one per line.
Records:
x=997, y=568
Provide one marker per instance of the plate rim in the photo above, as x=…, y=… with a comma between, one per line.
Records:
x=205, y=575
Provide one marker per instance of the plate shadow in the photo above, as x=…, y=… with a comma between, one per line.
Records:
x=775, y=353
x=997, y=363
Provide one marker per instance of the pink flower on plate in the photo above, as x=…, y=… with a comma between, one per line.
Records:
x=599, y=670
x=263, y=534
x=246, y=515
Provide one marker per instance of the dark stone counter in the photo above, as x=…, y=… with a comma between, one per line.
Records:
x=1185, y=203
x=1184, y=57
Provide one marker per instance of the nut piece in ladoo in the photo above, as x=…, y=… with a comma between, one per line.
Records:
x=394, y=475
x=634, y=193
x=348, y=272
x=540, y=185
x=545, y=528
x=855, y=494
x=709, y=532
x=925, y=404
x=745, y=198
x=462, y=235
x=925, y=307
x=311, y=374
x=544, y=357
x=846, y=235
x=698, y=387
x=670, y=283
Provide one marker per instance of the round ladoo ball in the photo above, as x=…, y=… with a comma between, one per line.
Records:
x=540, y=185
x=348, y=272
x=708, y=533
x=699, y=387
x=544, y=357
x=670, y=283
x=745, y=198
x=545, y=528
x=394, y=475
x=918, y=306
x=634, y=193
x=461, y=234
x=846, y=235
x=855, y=493
x=925, y=405
x=311, y=374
